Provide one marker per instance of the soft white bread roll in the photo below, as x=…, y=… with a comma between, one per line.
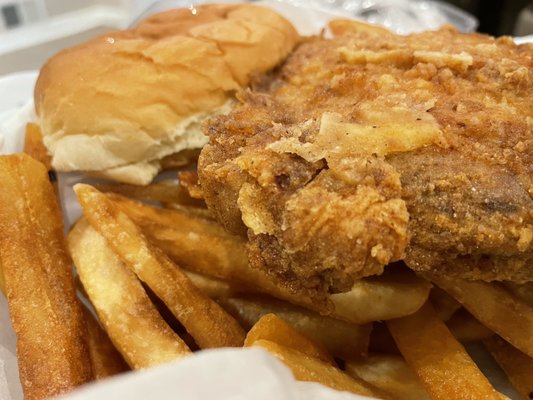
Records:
x=119, y=103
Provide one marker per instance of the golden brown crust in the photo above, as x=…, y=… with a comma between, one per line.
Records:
x=138, y=95
x=436, y=126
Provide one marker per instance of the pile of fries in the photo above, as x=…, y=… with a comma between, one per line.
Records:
x=165, y=281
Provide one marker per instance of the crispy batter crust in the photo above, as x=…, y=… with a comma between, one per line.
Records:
x=371, y=147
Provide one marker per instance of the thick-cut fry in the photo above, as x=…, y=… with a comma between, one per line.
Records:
x=438, y=359
x=397, y=292
x=494, y=307
x=341, y=27
x=46, y=314
x=163, y=192
x=517, y=366
x=310, y=369
x=444, y=304
x=466, y=328
x=342, y=339
x=206, y=248
x=34, y=146
x=204, y=319
x=121, y=303
x=389, y=373
x=523, y=291
x=105, y=359
x=271, y=327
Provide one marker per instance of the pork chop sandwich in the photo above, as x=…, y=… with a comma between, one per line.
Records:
x=369, y=148
x=116, y=105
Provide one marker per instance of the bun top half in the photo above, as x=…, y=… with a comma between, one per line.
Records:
x=130, y=97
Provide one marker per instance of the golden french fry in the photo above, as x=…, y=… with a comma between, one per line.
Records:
x=466, y=328
x=163, y=192
x=494, y=307
x=204, y=319
x=310, y=369
x=34, y=146
x=46, y=314
x=201, y=245
x=517, y=366
x=271, y=327
x=444, y=304
x=438, y=359
x=341, y=27
x=214, y=288
x=105, y=359
x=121, y=303
x=523, y=291
x=389, y=373
x=342, y=339
x=205, y=247
x=397, y=292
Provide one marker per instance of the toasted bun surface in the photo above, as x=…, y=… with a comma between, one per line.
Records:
x=132, y=97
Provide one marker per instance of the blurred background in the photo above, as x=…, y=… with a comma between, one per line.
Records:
x=33, y=30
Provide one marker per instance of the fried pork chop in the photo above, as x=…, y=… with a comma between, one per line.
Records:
x=369, y=148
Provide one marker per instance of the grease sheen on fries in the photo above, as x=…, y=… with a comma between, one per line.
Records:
x=121, y=303
x=271, y=327
x=46, y=314
x=495, y=307
x=439, y=360
x=204, y=319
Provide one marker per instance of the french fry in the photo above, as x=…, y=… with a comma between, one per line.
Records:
x=397, y=292
x=204, y=319
x=46, y=314
x=341, y=27
x=105, y=359
x=163, y=192
x=271, y=327
x=34, y=146
x=494, y=307
x=342, y=339
x=438, y=359
x=310, y=369
x=205, y=247
x=517, y=366
x=523, y=291
x=121, y=303
x=466, y=328
x=201, y=245
x=389, y=373
x=444, y=304
x=214, y=288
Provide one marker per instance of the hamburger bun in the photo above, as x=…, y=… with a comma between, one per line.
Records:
x=119, y=103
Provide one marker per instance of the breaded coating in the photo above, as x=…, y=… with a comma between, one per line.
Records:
x=371, y=147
